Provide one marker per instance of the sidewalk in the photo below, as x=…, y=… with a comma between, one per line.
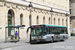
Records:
x=13, y=44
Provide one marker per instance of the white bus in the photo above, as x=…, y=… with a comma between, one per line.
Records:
x=41, y=33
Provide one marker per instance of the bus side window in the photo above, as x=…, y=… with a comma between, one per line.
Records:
x=59, y=30
x=65, y=31
x=51, y=30
x=54, y=30
x=47, y=30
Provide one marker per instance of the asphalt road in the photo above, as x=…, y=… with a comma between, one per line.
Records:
x=61, y=45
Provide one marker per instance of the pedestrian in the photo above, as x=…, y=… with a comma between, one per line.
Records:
x=16, y=36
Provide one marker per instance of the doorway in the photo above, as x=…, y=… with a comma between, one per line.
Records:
x=11, y=20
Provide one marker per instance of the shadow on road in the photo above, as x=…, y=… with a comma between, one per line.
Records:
x=45, y=42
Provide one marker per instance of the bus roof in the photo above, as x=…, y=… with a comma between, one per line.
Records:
x=49, y=25
x=54, y=25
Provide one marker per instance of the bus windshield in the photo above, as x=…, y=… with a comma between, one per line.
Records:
x=37, y=31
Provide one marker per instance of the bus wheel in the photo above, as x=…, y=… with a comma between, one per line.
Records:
x=52, y=39
x=63, y=38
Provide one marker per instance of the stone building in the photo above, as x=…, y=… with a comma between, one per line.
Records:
x=72, y=15
x=16, y=12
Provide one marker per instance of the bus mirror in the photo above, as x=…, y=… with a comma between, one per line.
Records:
x=32, y=28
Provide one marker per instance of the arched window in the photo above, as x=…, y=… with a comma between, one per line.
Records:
x=58, y=21
x=54, y=21
x=49, y=20
x=11, y=20
x=62, y=21
x=37, y=20
x=43, y=20
x=21, y=19
x=66, y=22
x=9, y=17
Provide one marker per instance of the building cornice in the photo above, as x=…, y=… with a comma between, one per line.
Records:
x=39, y=6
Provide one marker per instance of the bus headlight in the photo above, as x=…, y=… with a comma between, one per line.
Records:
x=34, y=38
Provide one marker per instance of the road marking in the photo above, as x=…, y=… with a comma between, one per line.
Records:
x=7, y=49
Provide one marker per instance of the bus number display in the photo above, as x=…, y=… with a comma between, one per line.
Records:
x=38, y=26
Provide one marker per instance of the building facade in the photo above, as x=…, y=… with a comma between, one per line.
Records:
x=13, y=12
x=72, y=16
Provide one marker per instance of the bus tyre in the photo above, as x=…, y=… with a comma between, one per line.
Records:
x=31, y=43
x=52, y=40
x=63, y=38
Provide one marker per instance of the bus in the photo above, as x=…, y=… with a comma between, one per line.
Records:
x=45, y=32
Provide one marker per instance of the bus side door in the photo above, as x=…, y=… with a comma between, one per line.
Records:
x=56, y=33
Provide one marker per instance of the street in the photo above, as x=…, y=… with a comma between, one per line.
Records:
x=68, y=44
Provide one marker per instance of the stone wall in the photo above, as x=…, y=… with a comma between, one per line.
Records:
x=24, y=10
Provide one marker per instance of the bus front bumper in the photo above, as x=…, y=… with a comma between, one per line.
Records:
x=37, y=40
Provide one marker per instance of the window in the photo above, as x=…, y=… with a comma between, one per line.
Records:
x=38, y=31
x=43, y=20
x=70, y=20
x=21, y=19
x=49, y=20
x=69, y=3
x=57, y=30
x=53, y=30
x=66, y=22
x=62, y=30
x=47, y=30
x=58, y=21
x=37, y=20
x=62, y=21
x=70, y=11
x=54, y=21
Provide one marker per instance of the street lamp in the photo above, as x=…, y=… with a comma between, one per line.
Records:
x=51, y=14
x=66, y=14
x=30, y=6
